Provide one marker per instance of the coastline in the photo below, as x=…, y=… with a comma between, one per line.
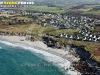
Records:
x=39, y=44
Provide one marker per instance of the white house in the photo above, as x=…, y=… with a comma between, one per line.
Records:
x=84, y=39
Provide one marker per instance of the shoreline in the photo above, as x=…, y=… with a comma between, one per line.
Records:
x=40, y=45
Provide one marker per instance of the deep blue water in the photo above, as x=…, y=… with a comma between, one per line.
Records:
x=17, y=61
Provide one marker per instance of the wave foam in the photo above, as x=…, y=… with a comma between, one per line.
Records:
x=57, y=60
x=0, y=47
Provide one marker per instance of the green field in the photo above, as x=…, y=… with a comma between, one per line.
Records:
x=92, y=12
x=89, y=10
x=45, y=9
x=22, y=18
x=93, y=9
x=17, y=18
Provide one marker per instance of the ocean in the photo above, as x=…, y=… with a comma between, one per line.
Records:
x=21, y=59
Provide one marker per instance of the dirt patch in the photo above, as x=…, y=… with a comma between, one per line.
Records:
x=97, y=52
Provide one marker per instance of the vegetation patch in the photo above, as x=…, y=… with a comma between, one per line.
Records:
x=45, y=9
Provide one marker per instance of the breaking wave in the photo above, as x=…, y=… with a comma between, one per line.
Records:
x=55, y=59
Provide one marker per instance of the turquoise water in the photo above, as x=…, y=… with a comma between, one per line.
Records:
x=17, y=61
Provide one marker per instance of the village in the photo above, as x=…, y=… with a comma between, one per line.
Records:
x=87, y=29
x=84, y=26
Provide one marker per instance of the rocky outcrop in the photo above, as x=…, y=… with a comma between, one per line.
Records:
x=85, y=68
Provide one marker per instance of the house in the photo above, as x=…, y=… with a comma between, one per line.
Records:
x=52, y=21
x=66, y=36
x=84, y=38
x=79, y=31
x=43, y=20
x=45, y=24
x=89, y=39
x=86, y=34
x=94, y=36
x=91, y=35
x=71, y=37
x=83, y=33
x=78, y=37
x=61, y=35
x=74, y=37
x=94, y=39
x=98, y=38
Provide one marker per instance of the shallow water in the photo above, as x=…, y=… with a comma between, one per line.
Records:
x=19, y=59
x=16, y=61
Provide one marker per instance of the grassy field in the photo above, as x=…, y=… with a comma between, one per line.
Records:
x=13, y=17
x=15, y=28
x=92, y=12
x=6, y=15
x=57, y=31
x=89, y=9
x=45, y=9
x=9, y=15
x=22, y=18
x=37, y=29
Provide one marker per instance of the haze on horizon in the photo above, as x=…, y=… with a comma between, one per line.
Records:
x=60, y=1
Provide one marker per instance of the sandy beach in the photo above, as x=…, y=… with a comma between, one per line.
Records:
x=40, y=44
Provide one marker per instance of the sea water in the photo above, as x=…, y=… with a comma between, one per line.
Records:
x=20, y=59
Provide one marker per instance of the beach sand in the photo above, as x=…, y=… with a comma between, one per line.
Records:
x=40, y=44
x=64, y=54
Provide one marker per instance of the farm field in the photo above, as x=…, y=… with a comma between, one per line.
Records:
x=45, y=9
